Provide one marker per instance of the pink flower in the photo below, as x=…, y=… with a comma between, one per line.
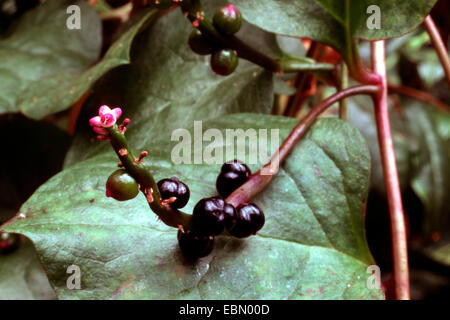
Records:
x=106, y=118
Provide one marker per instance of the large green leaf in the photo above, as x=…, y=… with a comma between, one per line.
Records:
x=334, y=22
x=312, y=246
x=22, y=275
x=56, y=66
x=42, y=53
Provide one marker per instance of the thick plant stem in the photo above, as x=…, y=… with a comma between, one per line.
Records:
x=439, y=45
x=259, y=180
x=397, y=218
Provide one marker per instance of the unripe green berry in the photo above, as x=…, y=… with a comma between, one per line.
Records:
x=121, y=186
x=224, y=62
x=227, y=20
x=198, y=43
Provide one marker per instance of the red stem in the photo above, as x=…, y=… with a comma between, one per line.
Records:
x=259, y=180
x=398, y=228
x=441, y=51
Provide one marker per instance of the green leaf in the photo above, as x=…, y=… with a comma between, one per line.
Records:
x=22, y=276
x=295, y=18
x=42, y=54
x=70, y=89
x=430, y=163
x=53, y=72
x=334, y=22
x=313, y=244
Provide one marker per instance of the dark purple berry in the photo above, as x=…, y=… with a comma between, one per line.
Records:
x=232, y=175
x=211, y=215
x=9, y=242
x=227, y=20
x=249, y=219
x=175, y=190
x=198, y=43
x=194, y=245
x=224, y=61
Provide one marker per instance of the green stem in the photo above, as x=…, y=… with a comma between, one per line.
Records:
x=147, y=184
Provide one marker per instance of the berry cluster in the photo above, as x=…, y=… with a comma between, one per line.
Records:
x=227, y=21
x=212, y=216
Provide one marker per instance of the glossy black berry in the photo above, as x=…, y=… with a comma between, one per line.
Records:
x=194, y=245
x=227, y=20
x=224, y=62
x=249, y=219
x=232, y=175
x=121, y=186
x=174, y=188
x=9, y=242
x=211, y=215
x=198, y=43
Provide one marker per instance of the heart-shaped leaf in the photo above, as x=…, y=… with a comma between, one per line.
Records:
x=312, y=245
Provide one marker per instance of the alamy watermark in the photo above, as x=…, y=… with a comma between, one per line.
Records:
x=374, y=21
x=374, y=280
x=74, y=280
x=73, y=22
x=226, y=146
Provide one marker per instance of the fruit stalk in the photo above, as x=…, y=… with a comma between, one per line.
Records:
x=398, y=228
x=441, y=51
x=258, y=181
x=147, y=184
